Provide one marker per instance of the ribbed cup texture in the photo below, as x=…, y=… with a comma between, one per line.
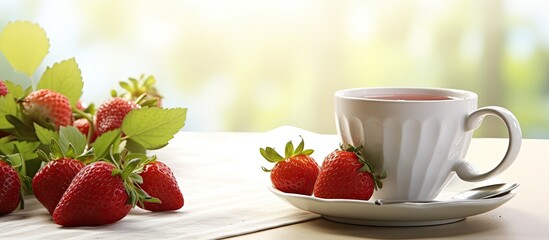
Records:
x=418, y=155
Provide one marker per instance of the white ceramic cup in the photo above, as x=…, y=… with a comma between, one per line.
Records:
x=419, y=143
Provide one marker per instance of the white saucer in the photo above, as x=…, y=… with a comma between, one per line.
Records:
x=403, y=214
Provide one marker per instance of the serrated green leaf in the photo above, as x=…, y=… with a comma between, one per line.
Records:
x=16, y=159
x=24, y=44
x=15, y=89
x=71, y=135
x=8, y=106
x=45, y=135
x=22, y=131
x=65, y=78
x=26, y=149
x=134, y=147
x=103, y=143
x=153, y=127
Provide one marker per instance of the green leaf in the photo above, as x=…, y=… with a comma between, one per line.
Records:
x=65, y=78
x=45, y=135
x=24, y=44
x=126, y=86
x=289, y=151
x=149, y=82
x=8, y=106
x=15, y=89
x=307, y=152
x=134, y=147
x=153, y=127
x=22, y=131
x=71, y=135
x=26, y=149
x=103, y=143
x=300, y=147
x=272, y=155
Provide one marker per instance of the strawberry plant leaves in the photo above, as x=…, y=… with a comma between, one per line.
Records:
x=71, y=135
x=65, y=78
x=152, y=128
x=8, y=106
x=17, y=90
x=45, y=135
x=24, y=44
x=22, y=131
x=103, y=143
x=134, y=147
x=25, y=149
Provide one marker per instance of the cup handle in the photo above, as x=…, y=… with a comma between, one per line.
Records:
x=465, y=170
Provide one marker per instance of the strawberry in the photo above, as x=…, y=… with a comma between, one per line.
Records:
x=3, y=88
x=48, y=107
x=3, y=92
x=10, y=188
x=13, y=183
x=52, y=180
x=111, y=113
x=294, y=173
x=83, y=125
x=159, y=182
x=346, y=174
x=101, y=193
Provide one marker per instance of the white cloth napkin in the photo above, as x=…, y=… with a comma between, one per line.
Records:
x=226, y=192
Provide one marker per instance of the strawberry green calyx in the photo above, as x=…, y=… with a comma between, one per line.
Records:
x=367, y=167
x=272, y=156
x=128, y=168
x=56, y=152
x=141, y=91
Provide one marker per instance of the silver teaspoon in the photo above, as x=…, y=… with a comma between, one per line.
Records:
x=484, y=192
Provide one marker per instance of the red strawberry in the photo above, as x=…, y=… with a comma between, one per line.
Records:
x=346, y=174
x=49, y=107
x=101, y=193
x=111, y=113
x=3, y=92
x=95, y=197
x=83, y=125
x=80, y=105
x=159, y=182
x=52, y=180
x=294, y=173
x=10, y=188
x=3, y=88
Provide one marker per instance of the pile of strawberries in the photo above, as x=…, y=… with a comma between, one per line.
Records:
x=344, y=174
x=89, y=172
x=86, y=167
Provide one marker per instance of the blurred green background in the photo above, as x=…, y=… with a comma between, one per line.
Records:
x=246, y=65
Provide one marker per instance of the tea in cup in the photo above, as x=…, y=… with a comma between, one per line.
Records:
x=418, y=136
